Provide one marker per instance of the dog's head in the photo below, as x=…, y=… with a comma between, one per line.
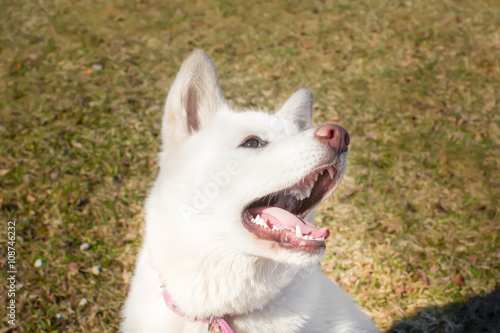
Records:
x=243, y=181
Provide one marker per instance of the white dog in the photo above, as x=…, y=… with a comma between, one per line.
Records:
x=227, y=245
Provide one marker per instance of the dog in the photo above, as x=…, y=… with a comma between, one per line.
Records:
x=229, y=242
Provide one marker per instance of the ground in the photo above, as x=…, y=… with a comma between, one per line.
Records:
x=415, y=225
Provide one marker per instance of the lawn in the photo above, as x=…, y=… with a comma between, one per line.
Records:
x=416, y=223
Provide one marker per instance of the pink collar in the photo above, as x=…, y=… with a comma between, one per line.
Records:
x=217, y=323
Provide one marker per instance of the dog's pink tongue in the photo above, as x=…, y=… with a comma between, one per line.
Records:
x=284, y=219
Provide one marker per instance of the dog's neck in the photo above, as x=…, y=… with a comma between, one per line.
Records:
x=207, y=280
x=221, y=283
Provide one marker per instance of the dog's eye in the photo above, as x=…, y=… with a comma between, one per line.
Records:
x=252, y=142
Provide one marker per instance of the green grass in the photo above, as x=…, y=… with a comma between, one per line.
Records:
x=415, y=82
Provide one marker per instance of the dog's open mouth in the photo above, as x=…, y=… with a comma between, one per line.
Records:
x=279, y=216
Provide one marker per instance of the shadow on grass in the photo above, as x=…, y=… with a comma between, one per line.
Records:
x=478, y=314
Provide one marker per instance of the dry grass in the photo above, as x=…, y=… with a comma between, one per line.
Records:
x=416, y=223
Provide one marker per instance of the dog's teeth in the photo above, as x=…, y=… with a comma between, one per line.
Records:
x=316, y=176
x=297, y=193
x=330, y=171
x=308, y=192
x=259, y=221
x=298, y=233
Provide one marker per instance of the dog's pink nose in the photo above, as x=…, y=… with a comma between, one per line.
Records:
x=336, y=136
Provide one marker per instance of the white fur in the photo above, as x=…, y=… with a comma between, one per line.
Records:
x=195, y=242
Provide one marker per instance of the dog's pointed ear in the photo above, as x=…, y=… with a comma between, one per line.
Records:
x=298, y=109
x=193, y=100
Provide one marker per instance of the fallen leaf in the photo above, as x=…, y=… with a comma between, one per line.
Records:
x=472, y=258
x=392, y=225
x=479, y=207
x=130, y=236
x=73, y=268
x=441, y=208
x=54, y=175
x=371, y=135
x=77, y=144
x=389, y=189
x=30, y=198
x=16, y=66
x=95, y=270
x=348, y=192
x=309, y=44
x=434, y=269
x=3, y=172
x=459, y=281
x=87, y=71
x=424, y=277
x=400, y=291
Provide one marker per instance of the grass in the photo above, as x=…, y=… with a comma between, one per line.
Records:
x=415, y=224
